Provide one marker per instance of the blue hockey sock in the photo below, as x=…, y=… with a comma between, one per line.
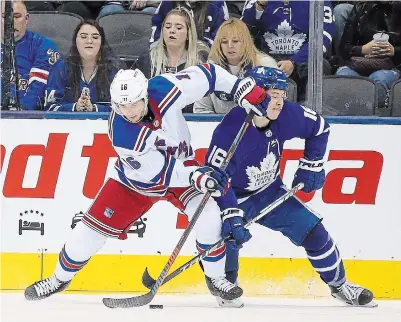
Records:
x=324, y=256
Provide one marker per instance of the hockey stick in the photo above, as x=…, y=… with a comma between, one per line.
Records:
x=148, y=281
x=148, y=297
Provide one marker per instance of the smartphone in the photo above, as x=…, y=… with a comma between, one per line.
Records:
x=86, y=91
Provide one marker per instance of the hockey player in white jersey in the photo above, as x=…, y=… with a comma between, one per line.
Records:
x=155, y=162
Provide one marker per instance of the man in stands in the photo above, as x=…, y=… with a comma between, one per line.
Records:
x=36, y=55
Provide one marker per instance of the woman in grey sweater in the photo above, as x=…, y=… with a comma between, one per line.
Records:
x=234, y=50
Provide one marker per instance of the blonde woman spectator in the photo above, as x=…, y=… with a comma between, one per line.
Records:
x=233, y=49
x=178, y=47
x=208, y=16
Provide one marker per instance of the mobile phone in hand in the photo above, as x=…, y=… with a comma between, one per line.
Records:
x=86, y=91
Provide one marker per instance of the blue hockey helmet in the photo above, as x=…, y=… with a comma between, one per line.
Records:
x=269, y=78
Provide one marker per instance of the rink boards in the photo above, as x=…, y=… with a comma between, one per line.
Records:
x=52, y=169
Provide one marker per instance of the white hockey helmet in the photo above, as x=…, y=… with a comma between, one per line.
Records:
x=128, y=86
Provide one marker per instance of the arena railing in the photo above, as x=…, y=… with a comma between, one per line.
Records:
x=188, y=117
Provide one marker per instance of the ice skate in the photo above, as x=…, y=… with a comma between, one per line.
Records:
x=353, y=295
x=236, y=303
x=223, y=289
x=45, y=288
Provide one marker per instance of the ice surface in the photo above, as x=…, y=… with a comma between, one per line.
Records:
x=203, y=308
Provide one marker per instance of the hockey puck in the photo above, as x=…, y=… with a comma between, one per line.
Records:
x=155, y=306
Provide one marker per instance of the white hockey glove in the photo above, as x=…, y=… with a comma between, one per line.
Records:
x=250, y=97
x=207, y=179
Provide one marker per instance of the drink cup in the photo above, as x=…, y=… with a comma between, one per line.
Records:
x=380, y=37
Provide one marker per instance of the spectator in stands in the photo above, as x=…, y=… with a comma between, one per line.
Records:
x=81, y=82
x=341, y=12
x=177, y=49
x=208, y=16
x=281, y=29
x=114, y=6
x=367, y=57
x=234, y=50
x=35, y=56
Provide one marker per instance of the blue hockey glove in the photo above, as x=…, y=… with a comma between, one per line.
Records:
x=233, y=225
x=205, y=179
x=311, y=173
x=252, y=97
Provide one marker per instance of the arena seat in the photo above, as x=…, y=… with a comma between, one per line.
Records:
x=57, y=26
x=127, y=33
x=235, y=7
x=292, y=90
x=349, y=96
x=395, y=99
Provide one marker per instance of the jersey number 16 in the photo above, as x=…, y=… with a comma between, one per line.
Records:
x=217, y=157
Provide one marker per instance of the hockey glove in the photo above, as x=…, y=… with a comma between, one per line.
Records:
x=251, y=97
x=233, y=225
x=311, y=173
x=206, y=179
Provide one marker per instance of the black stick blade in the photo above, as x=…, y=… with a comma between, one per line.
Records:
x=147, y=280
x=129, y=302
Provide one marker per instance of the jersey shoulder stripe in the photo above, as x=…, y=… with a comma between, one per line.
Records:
x=210, y=73
x=144, y=134
x=163, y=92
x=127, y=135
x=169, y=100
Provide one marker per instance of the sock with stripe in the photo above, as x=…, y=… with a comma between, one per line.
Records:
x=79, y=248
x=324, y=256
x=214, y=263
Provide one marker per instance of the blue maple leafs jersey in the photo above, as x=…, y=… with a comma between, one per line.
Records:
x=59, y=97
x=255, y=165
x=282, y=30
x=36, y=56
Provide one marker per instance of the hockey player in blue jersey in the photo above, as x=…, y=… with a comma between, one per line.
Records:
x=255, y=181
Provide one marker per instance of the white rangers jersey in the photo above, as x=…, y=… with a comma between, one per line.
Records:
x=151, y=154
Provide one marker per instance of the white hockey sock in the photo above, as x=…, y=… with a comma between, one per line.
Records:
x=213, y=264
x=208, y=232
x=79, y=248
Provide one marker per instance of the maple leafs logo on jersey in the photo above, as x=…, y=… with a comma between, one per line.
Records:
x=284, y=42
x=263, y=176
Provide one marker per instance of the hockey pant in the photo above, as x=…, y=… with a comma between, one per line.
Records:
x=117, y=207
x=301, y=226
